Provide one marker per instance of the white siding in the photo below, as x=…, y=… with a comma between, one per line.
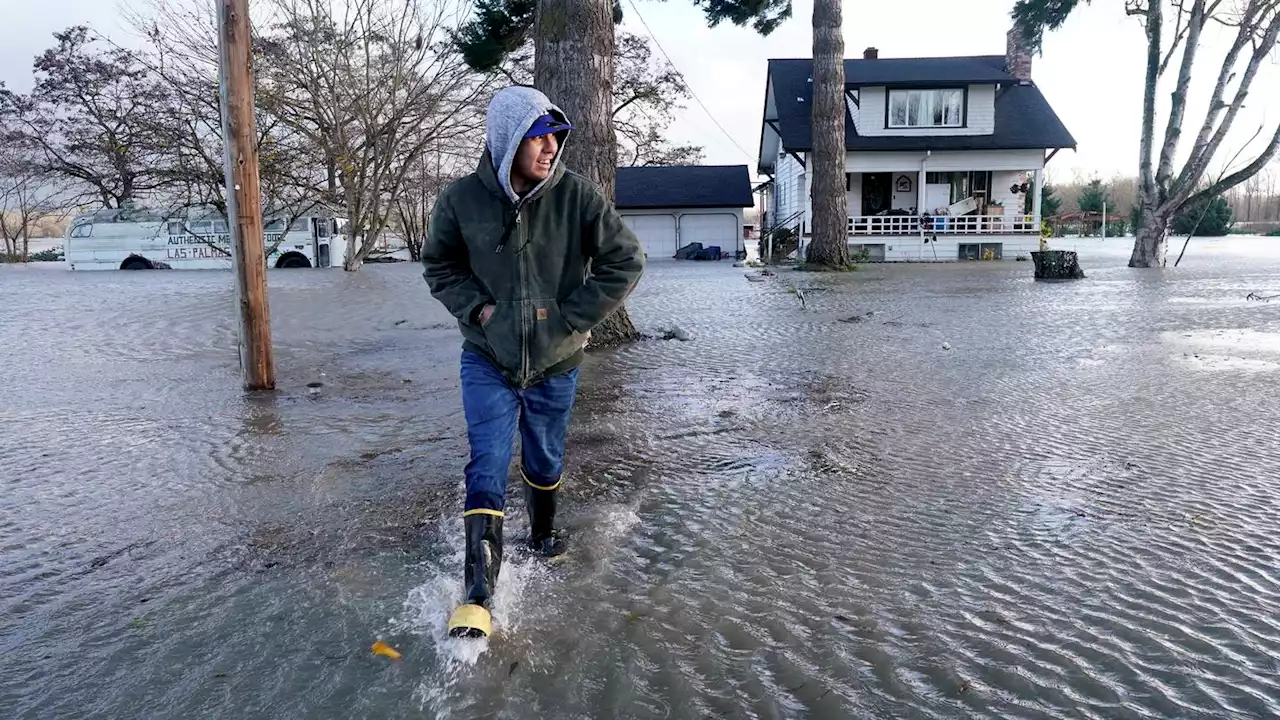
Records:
x=1018, y=160
x=806, y=183
x=1000, y=184
x=980, y=116
x=854, y=197
x=788, y=184
x=873, y=100
x=905, y=200
x=947, y=249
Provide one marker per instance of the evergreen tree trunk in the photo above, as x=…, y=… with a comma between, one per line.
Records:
x=573, y=65
x=830, y=243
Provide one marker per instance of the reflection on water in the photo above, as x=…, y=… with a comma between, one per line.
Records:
x=929, y=491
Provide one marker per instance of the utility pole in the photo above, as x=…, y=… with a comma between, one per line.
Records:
x=244, y=204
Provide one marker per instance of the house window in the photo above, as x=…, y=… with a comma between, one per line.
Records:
x=926, y=108
x=963, y=184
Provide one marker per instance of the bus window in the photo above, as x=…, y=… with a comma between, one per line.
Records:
x=275, y=226
x=175, y=228
x=322, y=228
x=301, y=225
x=220, y=227
x=82, y=231
x=201, y=228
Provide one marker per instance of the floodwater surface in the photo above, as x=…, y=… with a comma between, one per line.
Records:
x=924, y=491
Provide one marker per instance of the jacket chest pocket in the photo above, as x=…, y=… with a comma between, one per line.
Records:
x=483, y=236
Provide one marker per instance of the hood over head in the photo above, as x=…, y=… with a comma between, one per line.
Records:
x=511, y=114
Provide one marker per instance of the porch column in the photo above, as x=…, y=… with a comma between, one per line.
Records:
x=920, y=207
x=1035, y=201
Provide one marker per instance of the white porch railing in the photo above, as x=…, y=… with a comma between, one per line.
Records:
x=943, y=225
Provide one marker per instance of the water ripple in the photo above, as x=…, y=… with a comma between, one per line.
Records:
x=927, y=491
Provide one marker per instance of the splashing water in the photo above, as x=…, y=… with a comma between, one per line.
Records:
x=428, y=606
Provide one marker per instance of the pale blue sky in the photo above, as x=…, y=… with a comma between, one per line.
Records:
x=1091, y=70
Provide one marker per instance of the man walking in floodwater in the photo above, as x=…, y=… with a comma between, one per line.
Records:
x=530, y=258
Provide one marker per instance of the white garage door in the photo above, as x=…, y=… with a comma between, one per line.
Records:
x=710, y=230
x=657, y=234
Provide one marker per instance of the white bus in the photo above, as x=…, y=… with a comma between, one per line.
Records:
x=129, y=239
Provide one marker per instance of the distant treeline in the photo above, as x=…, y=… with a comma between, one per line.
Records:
x=1253, y=207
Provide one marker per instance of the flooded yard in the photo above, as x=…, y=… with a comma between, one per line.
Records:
x=926, y=491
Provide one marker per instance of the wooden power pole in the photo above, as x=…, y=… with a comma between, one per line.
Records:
x=244, y=204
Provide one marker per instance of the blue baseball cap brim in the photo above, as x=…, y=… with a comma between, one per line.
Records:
x=547, y=125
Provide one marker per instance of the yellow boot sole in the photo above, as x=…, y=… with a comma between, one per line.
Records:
x=471, y=621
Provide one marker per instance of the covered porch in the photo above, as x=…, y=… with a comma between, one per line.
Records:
x=941, y=202
x=945, y=193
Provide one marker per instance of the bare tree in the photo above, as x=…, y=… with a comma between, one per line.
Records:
x=183, y=58
x=28, y=197
x=646, y=94
x=370, y=86
x=423, y=184
x=83, y=119
x=1163, y=189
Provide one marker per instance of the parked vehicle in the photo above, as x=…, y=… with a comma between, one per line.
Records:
x=134, y=239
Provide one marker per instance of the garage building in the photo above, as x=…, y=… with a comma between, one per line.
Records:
x=670, y=207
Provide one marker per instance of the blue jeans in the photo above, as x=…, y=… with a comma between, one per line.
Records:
x=493, y=408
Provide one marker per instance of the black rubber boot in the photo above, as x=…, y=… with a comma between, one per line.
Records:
x=544, y=538
x=481, y=566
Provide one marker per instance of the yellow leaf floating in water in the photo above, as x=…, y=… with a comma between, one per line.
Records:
x=381, y=648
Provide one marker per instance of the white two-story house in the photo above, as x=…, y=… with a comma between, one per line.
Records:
x=942, y=153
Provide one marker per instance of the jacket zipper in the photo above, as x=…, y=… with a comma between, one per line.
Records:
x=506, y=231
x=524, y=334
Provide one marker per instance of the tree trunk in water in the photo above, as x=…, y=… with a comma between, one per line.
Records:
x=830, y=244
x=1149, y=242
x=573, y=65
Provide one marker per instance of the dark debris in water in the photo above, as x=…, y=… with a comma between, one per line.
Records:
x=676, y=333
x=102, y=560
x=854, y=319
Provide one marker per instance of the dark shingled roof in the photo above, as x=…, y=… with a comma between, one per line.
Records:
x=902, y=72
x=683, y=187
x=1024, y=120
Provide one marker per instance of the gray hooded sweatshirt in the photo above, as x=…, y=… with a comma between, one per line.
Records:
x=554, y=262
x=511, y=114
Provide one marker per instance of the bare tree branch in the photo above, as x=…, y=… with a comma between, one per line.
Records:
x=1205, y=148
x=1178, y=102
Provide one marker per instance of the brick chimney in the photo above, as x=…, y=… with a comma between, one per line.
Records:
x=870, y=53
x=1017, y=56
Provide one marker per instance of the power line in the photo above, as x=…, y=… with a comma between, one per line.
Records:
x=687, y=86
